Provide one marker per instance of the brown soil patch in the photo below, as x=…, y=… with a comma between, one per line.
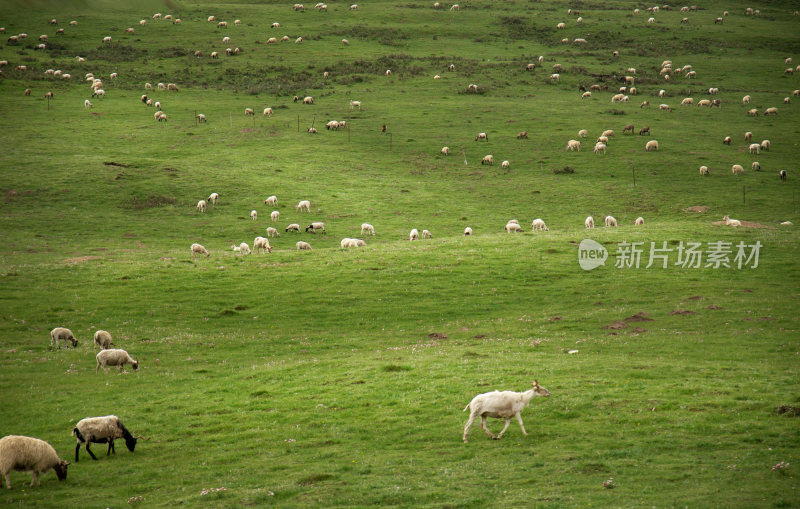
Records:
x=555, y=318
x=746, y=224
x=747, y=290
x=80, y=259
x=479, y=336
x=697, y=208
x=713, y=306
x=682, y=312
x=114, y=163
x=641, y=316
x=638, y=330
x=437, y=335
x=616, y=326
x=693, y=297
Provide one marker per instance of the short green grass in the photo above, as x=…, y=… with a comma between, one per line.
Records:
x=337, y=378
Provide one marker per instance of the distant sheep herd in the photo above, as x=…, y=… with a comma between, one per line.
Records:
x=37, y=456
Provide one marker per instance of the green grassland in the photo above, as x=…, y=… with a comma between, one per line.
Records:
x=337, y=378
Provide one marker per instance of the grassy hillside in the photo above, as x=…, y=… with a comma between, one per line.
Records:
x=337, y=378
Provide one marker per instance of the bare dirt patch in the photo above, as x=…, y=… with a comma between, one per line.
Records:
x=555, y=318
x=479, y=336
x=641, y=316
x=693, y=297
x=746, y=224
x=638, y=330
x=682, y=312
x=437, y=335
x=697, y=208
x=81, y=259
x=616, y=326
x=714, y=306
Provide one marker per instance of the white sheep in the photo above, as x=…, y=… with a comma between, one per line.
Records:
x=754, y=148
x=272, y=232
x=512, y=227
x=414, y=235
x=765, y=145
x=664, y=107
x=272, y=200
x=115, y=357
x=589, y=223
x=731, y=222
x=242, y=249
x=261, y=244
x=746, y=99
x=102, y=339
x=303, y=205
x=505, y=165
x=99, y=93
x=274, y=216
x=313, y=227
x=29, y=454
x=198, y=249
x=87, y=104
x=610, y=221
x=62, y=334
x=583, y=133
x=467, y=231
x=303, y=246
x=488, y=159
x=294, y=227
x=268, y=112
x=426, y=234
x=651, y=145
x=609, y=133
x=445, y=151
x=771, y=111
x=482, y=136
x=201, y=205
x=355, y=104
x=253, y=215
x=213, y=197
x=308, y=100
x=201, y=119
x=737, y=169
x=639, y=221
x=538, y=224
x=599, y=147
x=368, y=228
x=501, y=405
x=99, y=430
x=704, y=170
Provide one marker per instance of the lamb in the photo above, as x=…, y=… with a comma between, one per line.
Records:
x=765, y=145
x=115, y=357
x=202, y=205
x=161, y=116
x=294, y=227
x=754, y=148
x=505, y=165
x=101, y=430
x=445, y=151
x=268, y=112
x=199, y=249
x=610, y=221
x=574, y=145
x=756, y=166
x=303, y=246
x=704, y=171
x=599, y=147
x=482, y=136
x=538, y=224
x=727, y=140
x=589, y=223
x=249, y=111
x=704, y=102
x=414, y=235
x=368, y=228
x=512, y=227
x=313, y=227
x=272, y=232
x=731, y=222
x=102, y=339
x=501, y=405
x=274, y=216
x=737, y=169
x=583, y=133
x=628, y=128
x=87, y=104
x=752, y=112
x=254, y=215
x=303, y=205
x=261, y=244
x=30, y=455
x=271, y=200
x=467, y=231
x=488, y=159
x=62, y=334
x=308, y=100
x=782, y=175
x=651, y=146
x=746, y=99
x=426, y=234
x=639, y=221
x=355, y=104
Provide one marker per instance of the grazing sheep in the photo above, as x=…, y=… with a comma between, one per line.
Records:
x=308, y=100
x=731, y=222
x=201, y=119
x=787, y=100
x=222, y=24
x=574, y=145
x=752, y=112
x=115, y=357
x=602, y=139
x=586, y=95
x=488, y=159
x=101, y=430
x=271, y=200
x=704, y=102
x=512, y=227
x=202, y=205
x=505, y=165
x=704, y=171
x=107, y=39
x=482, y=136
x=347, y=242
x=610, y=221
x=294, y=227
x=242, y=249
x=538, y=224
x=249, y=111
x=29, y=454
x=313, y=227
x=303, y=246
x=303, y=205
x=158, y=105
x=687, y=102
x=355, y=104
x=62, y=334
x=754, y=148
x=445, y=151
x=102, y=339
x=467, y=231
x=27, y=91
x=98, y=93
x=583, y=133
x=651, y=146
x=755, y=166
x=639, y=221
x=254, y=215
x=748, y=136
x=274, y=216
x=645, y=104
x=87, y=104
x=555, y=77
x=261, y=244
x=268, y=112
x=782, y=175
x=214, y=54
x=161, y=116
x=199, y=249
x=628, y=128
x=727, y=140
x=599, y=147
x=272, y=232
x=589, y=223
x=368, y=228
x=746, y=99
x=765, y=145
x=664, y=107
x=426, y=234
x=501, y=405
x=737, y=169
x=414, y=235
